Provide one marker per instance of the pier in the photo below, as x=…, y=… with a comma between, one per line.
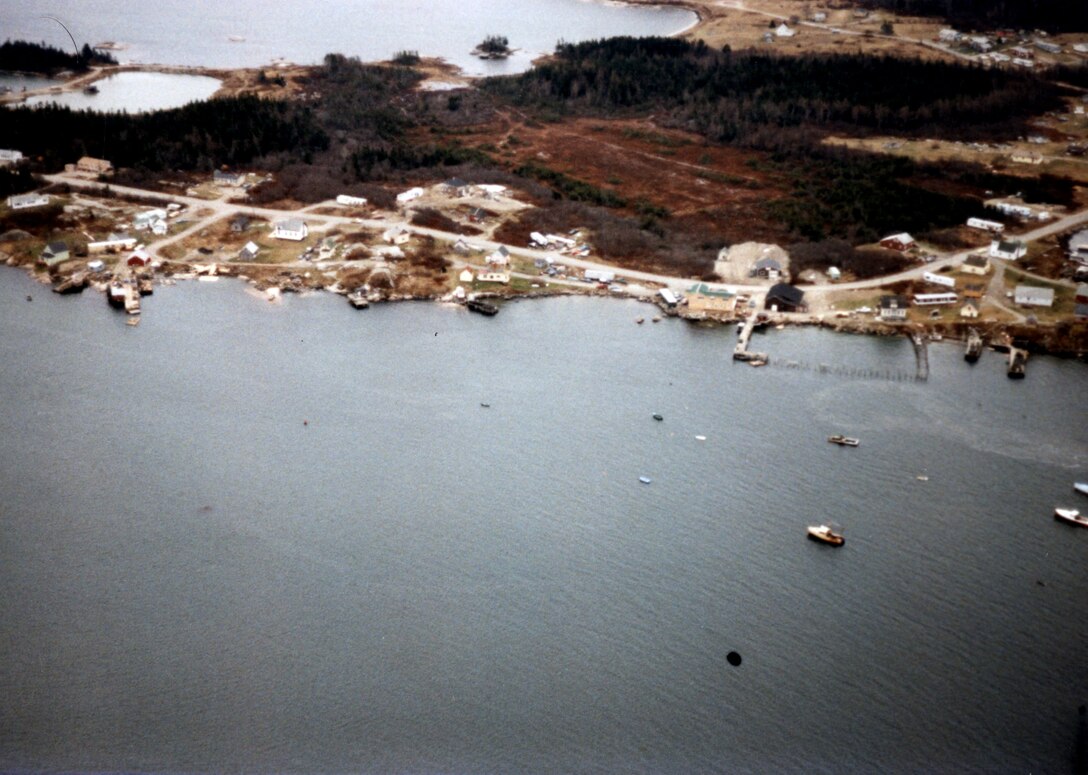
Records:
x=740, y=351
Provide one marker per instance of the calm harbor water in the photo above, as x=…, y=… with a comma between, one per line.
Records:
x=136, y=92
x=249, y=33
x=246, y=536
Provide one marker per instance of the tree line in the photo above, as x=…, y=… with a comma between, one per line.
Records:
x=727, y=96
x=197, y=136
x=26, y=57
x=1053, y=15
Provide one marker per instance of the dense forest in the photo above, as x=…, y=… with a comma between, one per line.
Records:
x=730, y=97
x=198, y=136
x=21, y=56
x=1053, y=15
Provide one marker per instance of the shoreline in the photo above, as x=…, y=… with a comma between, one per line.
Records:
x=1039, y=340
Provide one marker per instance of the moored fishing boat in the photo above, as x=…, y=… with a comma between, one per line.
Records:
x=827, y=534
x=843, y=441
x=1071, y=516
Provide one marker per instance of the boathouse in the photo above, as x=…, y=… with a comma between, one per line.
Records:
x=783, y=297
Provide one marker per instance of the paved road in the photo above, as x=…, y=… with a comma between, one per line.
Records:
x=220, y=209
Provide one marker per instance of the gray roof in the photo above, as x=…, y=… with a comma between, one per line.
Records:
x=768, y=263
x=976, y=261
x=1034, y=295
x=57, y=247
x=785, y=292
x=455, y=183
x=1079, y=241
x=894, y=302
x=290, y=224
x=1081, y=311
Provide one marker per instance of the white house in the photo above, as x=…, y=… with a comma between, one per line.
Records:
x=500, y=257
x=893, y=308
x=783, y=31
x=491, y=190
x=112, y=244
x=493, y=277
x=466, y=276
x=980, y=223
x=1078, y=247
x=396, y=235
x=158, y=228
x=949, y=35
x=407, y=196
x=1007, y=250
x=23, y=201
x=455, y=187
x=9, y=156
x=146, y=218
x=1032, y=296
x=224, y=178
x=939, y=279
x=350, y=201
x=290, y=228
x=976, y=265
x=969, y=309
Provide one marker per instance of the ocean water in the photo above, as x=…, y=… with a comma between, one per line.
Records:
x=200, y=32
x=288, y=537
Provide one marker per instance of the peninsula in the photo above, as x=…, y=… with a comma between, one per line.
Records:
x=849, y=167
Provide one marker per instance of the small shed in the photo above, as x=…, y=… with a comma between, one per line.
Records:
x=139, y=258
x=466, y=276
x=249, y=252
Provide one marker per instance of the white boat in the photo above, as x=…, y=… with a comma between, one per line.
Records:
x=1081, y=487
x=843, y=441
x=1072, y=516
x=826, y=534
x=645, y=479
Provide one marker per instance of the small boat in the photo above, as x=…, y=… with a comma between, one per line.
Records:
x=1018, y=360
x=645, y=479
x=843, y=441
x=826, y=534
x=640, y=321
x=974, y=346
x=1081, y=487
x=358, y=300
x=658, y=417
x=485, y=406
x=1071, y=516
x=236, y=39
x=91, y=89
x=922, y=478
x=700, y=438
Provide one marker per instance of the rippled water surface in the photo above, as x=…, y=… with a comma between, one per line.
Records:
x=288, y=537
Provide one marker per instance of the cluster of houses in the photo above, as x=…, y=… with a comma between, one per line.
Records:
x=454, y=188
x=1021, y=53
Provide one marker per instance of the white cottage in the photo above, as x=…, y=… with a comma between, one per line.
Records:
x=290, y=228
